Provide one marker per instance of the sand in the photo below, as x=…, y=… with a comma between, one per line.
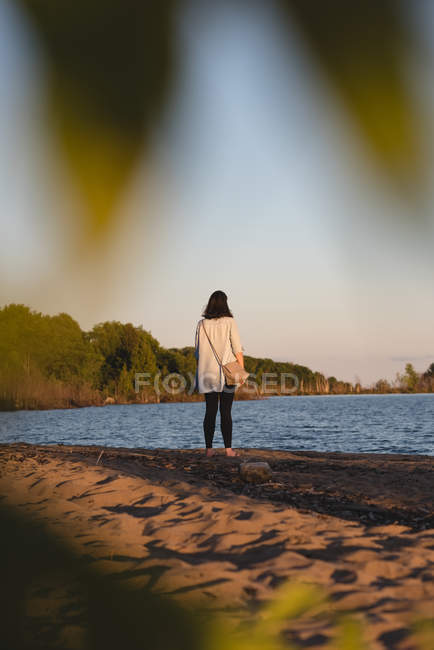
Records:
x=359, y=525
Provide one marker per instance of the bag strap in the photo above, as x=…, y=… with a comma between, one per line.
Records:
x=213, y=348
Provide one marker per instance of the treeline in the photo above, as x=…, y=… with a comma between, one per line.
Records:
x=50, y=362
x=408, y=382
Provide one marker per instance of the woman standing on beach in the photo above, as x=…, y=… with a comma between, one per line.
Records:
x=222, y=331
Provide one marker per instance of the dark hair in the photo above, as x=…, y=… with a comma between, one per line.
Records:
x=217, y=306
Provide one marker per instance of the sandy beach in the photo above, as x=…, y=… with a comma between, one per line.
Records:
x=359, y=525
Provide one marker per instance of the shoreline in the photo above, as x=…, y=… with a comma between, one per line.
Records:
x=359, y=525
x=200, y=398
x=335, y=479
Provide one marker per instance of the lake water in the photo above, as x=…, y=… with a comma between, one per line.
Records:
x=402, y=424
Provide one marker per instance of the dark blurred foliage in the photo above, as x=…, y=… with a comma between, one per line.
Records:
x=113, y=58
x=51, y=597
x=112, y=66
x=364, y=48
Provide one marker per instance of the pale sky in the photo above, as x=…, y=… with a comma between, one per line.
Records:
x=257, y=184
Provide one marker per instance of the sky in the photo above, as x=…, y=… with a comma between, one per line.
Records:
x=256, y=184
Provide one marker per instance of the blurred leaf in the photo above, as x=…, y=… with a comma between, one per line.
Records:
x=424, y=633
x=350, y=635
x=110, y=67
x=49, y=592
x=363, y=48
x=291, y=600
x=224, y=637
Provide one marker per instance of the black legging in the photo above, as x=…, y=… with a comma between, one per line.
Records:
x=226, y=397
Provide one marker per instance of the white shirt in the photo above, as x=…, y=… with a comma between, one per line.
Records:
x=225, y=338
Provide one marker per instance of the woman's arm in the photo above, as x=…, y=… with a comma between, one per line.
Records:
x=236, y=343
x=196, y=342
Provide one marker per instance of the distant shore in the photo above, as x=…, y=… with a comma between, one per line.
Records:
x=359, y=525
x=49, y=362
x=72, y=403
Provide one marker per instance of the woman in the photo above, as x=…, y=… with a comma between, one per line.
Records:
x=222, y=331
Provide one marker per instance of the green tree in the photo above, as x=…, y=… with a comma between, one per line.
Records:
x=332, y=381
x=54, y=345
x=383, y=386
x=124, y=384
x=429, y=372
x=411, y=377
x=123, y=346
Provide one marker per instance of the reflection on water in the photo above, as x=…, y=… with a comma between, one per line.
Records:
x=350, y=423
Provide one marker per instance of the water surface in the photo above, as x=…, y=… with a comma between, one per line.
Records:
x=349, y=423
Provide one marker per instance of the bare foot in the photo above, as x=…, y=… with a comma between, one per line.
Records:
x=231, y=452
x=209, y=452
